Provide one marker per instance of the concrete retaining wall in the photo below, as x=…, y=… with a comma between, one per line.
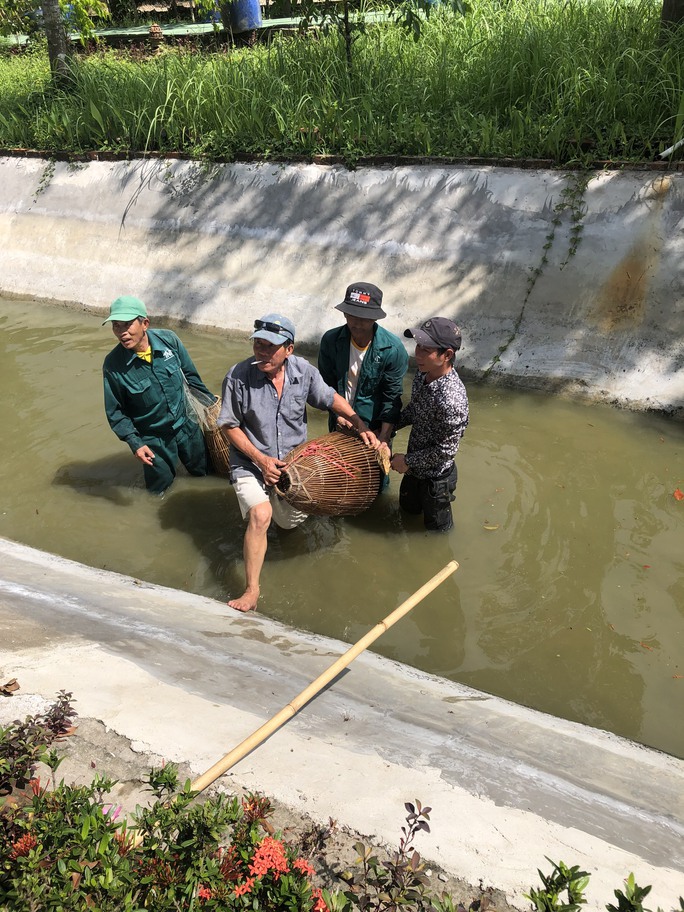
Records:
x=488, y=247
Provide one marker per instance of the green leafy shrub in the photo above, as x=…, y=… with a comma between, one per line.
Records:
x=562, y=889
x=570, y=83
x=23, y=744
x=399, y=881
x=66, y=849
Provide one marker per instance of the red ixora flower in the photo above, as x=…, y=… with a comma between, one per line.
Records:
x=245, y=887
x=302, y=865
x=269, y=857
x=204, y=892
x=319, y=904
x=23, y=846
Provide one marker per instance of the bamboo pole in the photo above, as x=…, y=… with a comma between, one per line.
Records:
x=287, y=712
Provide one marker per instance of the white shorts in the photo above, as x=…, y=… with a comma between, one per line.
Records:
x=250, y=492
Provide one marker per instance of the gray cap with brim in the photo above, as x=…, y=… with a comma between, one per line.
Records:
x=437, y=332
x=274, y=328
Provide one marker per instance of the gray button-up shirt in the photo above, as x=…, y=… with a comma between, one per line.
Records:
x=274, y=425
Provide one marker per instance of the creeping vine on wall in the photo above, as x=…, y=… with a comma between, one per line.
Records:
x=571, y=201
x=45, y=177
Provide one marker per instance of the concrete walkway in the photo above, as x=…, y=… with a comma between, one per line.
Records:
x=187, y=679
x=172, y=31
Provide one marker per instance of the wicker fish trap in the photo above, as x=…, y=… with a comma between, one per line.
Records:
x=217, y=444
x=205, y=413
x=333, y=475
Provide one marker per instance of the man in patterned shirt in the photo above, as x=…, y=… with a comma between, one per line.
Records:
x=438, y=415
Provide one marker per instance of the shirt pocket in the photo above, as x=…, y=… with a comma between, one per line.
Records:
x=169, y=376
x=370, y=378
x=167, y=368
x=368, y=384
x=295, y=408
x=141, y=395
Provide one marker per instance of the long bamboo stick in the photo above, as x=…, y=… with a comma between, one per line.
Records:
x=287, y=712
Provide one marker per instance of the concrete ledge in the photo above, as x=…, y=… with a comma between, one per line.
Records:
x=491, y=248
x=184, y=678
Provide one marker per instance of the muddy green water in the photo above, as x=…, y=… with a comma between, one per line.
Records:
x=570, y=592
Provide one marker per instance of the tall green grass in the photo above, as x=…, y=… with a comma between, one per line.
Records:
x=566, y=81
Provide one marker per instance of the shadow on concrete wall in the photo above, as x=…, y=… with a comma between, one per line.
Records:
x=470, y=245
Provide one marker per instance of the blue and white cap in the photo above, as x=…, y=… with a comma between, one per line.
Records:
x=274, y=328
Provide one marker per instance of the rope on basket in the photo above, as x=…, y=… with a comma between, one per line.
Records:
x=326, y=452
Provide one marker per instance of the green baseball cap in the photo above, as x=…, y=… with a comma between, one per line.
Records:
x=126, y=308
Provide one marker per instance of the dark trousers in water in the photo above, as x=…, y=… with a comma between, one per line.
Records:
x=432, y=497
x=187, y=445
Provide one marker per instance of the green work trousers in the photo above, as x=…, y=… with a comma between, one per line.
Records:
x=186, y=445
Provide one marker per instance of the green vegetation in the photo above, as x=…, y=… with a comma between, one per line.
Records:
x=19, y=16
x=65, y=849
x=570, y=82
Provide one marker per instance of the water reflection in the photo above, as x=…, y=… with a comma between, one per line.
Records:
x=570, y=592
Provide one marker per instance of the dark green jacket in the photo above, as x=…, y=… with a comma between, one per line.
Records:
x=378, y=393
x=147, y=400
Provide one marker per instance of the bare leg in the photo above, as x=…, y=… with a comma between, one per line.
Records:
x=254, y=551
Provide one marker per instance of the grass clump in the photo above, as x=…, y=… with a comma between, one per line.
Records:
x=569, y=82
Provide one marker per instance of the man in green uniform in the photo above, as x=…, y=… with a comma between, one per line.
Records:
x=365, y=363
x=144, y=395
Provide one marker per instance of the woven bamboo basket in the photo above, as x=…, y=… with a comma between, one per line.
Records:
x=216, y=443
x=333, y=475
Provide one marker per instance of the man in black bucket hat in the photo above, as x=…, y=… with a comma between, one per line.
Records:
x=364, y=362
x=438, y=415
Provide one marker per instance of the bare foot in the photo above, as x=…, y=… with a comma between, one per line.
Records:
x=247, y=601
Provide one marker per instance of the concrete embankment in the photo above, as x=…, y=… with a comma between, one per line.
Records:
x=564, y=282
x=187, y=680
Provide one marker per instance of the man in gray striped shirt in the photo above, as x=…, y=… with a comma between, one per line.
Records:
x=263, y=417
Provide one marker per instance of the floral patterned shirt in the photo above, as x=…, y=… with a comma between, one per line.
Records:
x=438, y=415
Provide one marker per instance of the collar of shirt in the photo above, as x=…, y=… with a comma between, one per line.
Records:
x=156, y=345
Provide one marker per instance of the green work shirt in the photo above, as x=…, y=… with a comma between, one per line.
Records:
x=378, y=392
x=147, y=399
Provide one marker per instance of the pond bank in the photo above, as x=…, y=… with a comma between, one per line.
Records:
x=217, y=247
x=564, y=282
x=185, y=680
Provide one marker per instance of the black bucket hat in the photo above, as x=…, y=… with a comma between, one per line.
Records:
x=363, y=300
